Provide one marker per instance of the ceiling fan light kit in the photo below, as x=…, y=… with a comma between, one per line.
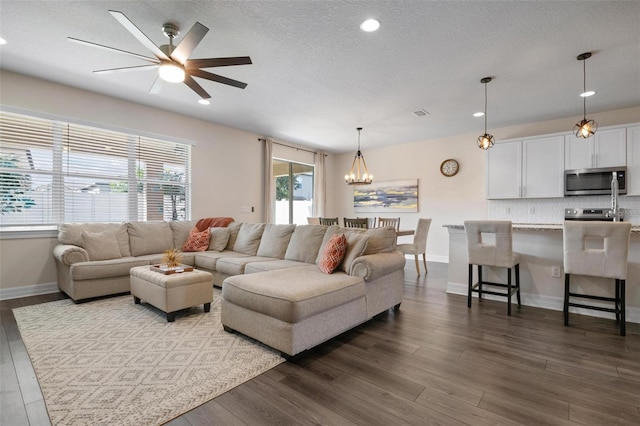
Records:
x=585, y=128
x=485, y=141
x=359, y=174
x=173, y=63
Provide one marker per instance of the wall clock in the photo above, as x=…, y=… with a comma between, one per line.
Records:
x=449, y=167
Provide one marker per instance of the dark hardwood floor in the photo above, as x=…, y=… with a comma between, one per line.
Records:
x=433, y=362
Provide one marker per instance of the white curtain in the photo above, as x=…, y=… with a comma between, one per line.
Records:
x=320, y=184
x=269, y=188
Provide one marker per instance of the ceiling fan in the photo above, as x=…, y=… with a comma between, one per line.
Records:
x=173, y=62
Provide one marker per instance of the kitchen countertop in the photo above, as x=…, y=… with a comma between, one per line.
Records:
x=537, y=227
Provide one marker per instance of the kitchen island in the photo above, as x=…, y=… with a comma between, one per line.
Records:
x=541, y=273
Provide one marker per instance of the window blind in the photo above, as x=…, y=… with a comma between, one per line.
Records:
x=53, y=171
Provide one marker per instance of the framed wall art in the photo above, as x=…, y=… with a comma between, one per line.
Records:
x=393, y=196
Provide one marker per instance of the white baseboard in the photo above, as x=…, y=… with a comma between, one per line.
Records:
x=547, y=302
x=28, y=290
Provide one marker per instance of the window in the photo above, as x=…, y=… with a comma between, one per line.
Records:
x=53, y=172
x=294, y=191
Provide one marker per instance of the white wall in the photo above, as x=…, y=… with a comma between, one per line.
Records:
x=226, y=165
x=445, y=200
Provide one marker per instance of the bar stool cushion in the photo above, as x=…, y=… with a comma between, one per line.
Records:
x=501, y=254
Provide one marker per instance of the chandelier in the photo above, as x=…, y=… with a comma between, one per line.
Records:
x=359, y=174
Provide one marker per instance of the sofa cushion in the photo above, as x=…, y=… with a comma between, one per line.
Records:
x=275, y=240
x=292, y=294
x=333, y=253
x=356, y=246
x=105, y=268
x=150, y=237
x=381, y=240
x=251, y=268
x=181, y=230
x=235, y=265
x=248, y=239
x=209, y=259
x=197, y=241
x=101, y=245
x=71, y=233
x=219, y=238
x=186, y=258
x=234, y=228
x=305, y=243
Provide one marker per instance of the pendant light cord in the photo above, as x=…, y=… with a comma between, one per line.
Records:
x=584, y=89
x=485, y=108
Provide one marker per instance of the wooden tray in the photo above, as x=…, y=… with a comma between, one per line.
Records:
x=173, y=270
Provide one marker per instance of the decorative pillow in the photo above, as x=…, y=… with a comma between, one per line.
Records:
x=275, y=240
x=356, y=246
x=248, y=238
x=305, y=243
x=381, y=240
x=197, y=241
x=101, y=245
x=219, y=238
x=234, y=228
x=333, y=253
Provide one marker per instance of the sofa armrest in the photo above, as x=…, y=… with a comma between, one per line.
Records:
x=68, y=254
x=373, y=266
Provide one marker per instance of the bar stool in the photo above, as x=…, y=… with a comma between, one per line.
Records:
x=609, y=260
x=499, y=255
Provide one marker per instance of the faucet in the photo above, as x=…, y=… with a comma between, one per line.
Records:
x=615, y=212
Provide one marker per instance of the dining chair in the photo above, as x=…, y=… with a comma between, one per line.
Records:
x=597, y=249
x=313, y=220
x=371, y=222
x=389, y=221
x=419, y=245
x=498, y=253
x=359, y=222
x=328, y=221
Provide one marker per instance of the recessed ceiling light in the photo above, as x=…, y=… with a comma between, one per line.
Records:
x=478, y=114
x=370, y=25
x=203, y=101
x=587, y=93
x=3, y=41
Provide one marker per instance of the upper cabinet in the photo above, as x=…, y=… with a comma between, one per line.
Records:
x=531, y=168
x=633, y=160
x=607, y=148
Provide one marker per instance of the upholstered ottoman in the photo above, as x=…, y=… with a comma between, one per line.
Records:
x=171, y=293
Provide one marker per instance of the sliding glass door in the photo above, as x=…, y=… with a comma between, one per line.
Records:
x=294, y=191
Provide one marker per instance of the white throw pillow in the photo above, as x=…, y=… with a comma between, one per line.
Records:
x=219, y=238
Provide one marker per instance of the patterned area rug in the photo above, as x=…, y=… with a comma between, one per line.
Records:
x=112, y=362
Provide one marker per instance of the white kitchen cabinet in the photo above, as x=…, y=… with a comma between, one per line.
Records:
x=530, y=168
x=543, y=167
x=504, y=170
x=633, y=160
x=607, y=148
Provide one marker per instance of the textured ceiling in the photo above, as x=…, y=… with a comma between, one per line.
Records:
x=316, y=77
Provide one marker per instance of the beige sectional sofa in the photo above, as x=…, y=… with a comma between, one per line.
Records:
x=272, y=288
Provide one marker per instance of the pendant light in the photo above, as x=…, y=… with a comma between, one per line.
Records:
x=585, y=128
x=485, y=141
x=359, y=174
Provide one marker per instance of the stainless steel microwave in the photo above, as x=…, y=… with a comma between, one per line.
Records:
x=594, y=181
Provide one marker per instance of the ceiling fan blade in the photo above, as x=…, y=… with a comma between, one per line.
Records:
x=217, y=78
x=217, y=62
x=134, y=68
x=157, y=86
x=113, y=49
x=189, y=81
x=135, y=31
x=189, y=42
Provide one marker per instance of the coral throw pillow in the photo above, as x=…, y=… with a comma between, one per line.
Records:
x=333, y=253
x=197, y=241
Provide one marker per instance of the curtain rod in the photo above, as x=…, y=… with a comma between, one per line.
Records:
x=288, y=146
